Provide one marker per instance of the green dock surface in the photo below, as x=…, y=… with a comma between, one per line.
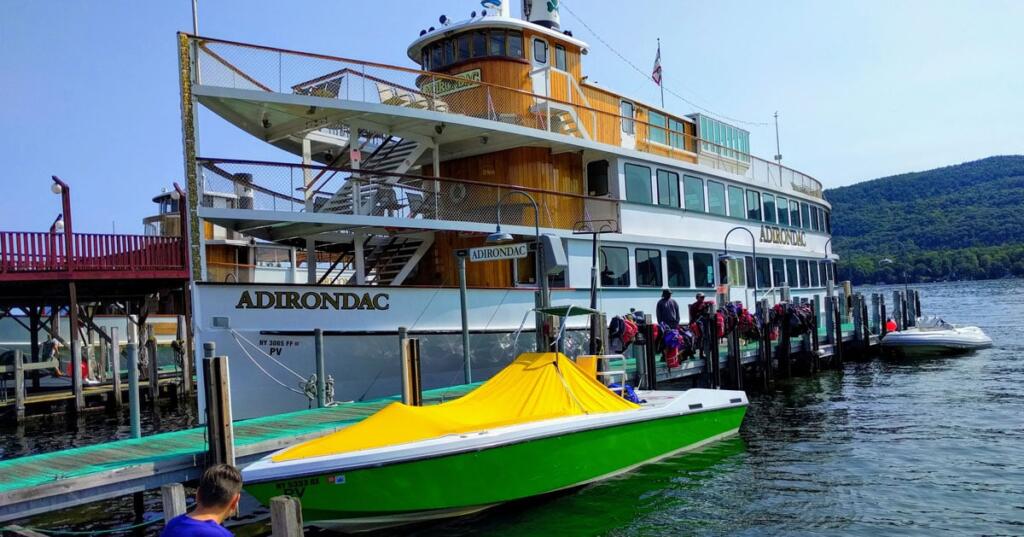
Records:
x=69, y=477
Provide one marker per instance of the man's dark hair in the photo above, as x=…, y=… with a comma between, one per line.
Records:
x=666, y=293
x=219, y=485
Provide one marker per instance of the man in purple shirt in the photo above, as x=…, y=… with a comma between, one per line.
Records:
x=216, y=499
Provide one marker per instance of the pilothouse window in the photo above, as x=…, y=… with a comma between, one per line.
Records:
x=627, y=117
x=560, y=57
x=540, y=51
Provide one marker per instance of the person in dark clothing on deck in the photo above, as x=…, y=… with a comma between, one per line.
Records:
x=216, y=499
x=667, y=310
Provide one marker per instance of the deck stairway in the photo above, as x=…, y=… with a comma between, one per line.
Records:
x=563, y=118
x=389, y=259
x=393, y=156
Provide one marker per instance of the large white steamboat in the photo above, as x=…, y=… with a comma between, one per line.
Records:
x=398, y=168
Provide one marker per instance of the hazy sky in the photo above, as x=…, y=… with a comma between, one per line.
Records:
x=863, y=89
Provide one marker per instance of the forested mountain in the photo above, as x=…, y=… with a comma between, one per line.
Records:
x=958, y=222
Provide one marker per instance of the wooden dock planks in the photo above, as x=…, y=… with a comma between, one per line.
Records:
x=36, y=481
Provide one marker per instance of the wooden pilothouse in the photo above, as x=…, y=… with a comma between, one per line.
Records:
x=398, y=168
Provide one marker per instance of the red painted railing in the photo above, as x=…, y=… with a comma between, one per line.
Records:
x=27, y=251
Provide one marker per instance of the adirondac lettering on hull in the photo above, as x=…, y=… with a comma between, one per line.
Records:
x=311, y=300
x=778, y=235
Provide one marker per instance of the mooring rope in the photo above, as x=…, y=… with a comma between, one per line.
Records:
x=239, y=339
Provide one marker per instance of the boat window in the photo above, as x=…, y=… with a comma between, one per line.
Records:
x=794, y=213
x=769, y=208
x=716, y=198
x=823, y=272
x=804, y=282
x=614, y=265
x=479, y=44
x=638, y=183
x=778, y=272
x=462, y=48
x=783, y=206
x=676, y=133
x=731, y=271
x=515, y=44
x=693, y=191
x=678, y=268
x=764, y=273
x=815, y=220
x=791, y=279
x=831, y=272
x=526, y=269
x=668, y=188
x=736, y=207
x=821, y=218
x=425, y=59
x=560, y=57
x=657, y=127
x=753, y=205
x=497, y=41
x=436, y=56
x=540, y=51
x=703, y=271
x=626, y=111
x=828, y=222
x=815, y=275
x=805, y=215
x=449, y=52
x=748, y=264
x=648, y=268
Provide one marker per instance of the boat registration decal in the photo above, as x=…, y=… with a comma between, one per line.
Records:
x=338, y=479
x=297, y=487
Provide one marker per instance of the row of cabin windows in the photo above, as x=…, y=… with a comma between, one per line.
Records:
x=724, y=139
x=714, y=197
x=541, y=54
x=663, y=129
x=475, y=44
x=696, y=270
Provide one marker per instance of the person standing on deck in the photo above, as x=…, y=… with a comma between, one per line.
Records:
x=667, y=310
x=697, y=307
x=216, y=499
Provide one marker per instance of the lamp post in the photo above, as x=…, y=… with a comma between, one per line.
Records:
x=541, y=299
x=62, y=188
x=753, y=249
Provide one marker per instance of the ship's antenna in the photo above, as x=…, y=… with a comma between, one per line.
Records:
x=195, y=17
x=778, y=152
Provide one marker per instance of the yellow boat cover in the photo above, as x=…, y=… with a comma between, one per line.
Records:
x=536, y=386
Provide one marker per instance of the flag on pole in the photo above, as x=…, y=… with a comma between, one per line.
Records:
x=656, y=75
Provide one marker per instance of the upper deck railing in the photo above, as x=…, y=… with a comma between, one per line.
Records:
x=254, y=67
x=27, y=253
x=277, y=186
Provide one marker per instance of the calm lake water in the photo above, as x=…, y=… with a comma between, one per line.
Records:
x=883, y=447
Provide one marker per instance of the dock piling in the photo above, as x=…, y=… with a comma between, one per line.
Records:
x=172, y=495
x=321, y=368
x=185, y=355
x=154, y=366
x=115, y=367
x=409, y=351
x=76, y=350
x=19, y=385
x=219, y=427
x=716, y=365
x=837, y=335
x=133, y=385
x=285, y=517
x=875, y=314
x=650, y=363
x=765, y=354
x=858, y=330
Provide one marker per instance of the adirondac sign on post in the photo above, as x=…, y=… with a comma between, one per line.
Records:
x=503, y=251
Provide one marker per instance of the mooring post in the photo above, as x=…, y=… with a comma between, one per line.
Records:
x=765, y=354
x=409, y=353
x=467, y=366
x=815, y=344
x=602, y=331
x=716, y=365
x=875, y=314
x=321, y=368
x=154, y=367
x=735, y=361
x=285, y=517
x=114, y=351
x=857, y=329
x=19, y=386
x=897, y=311
x=783, y=349
x=133, y=384
x=917, y=302
x=830, y=320
x=172, y=496
x=184, y=355
x=650, y=364
x=838, y=324
x=219, y=427
x=76, y=349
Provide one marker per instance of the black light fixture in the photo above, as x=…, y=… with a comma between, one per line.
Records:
x=472, y=15
x=442, y=19
x=439, y=128
x=423, y=32
x=431, y=29
x=266, y=123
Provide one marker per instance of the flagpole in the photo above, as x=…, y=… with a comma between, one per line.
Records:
x=660, y=82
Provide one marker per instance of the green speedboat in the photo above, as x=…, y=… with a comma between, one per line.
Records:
x=445, y=464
